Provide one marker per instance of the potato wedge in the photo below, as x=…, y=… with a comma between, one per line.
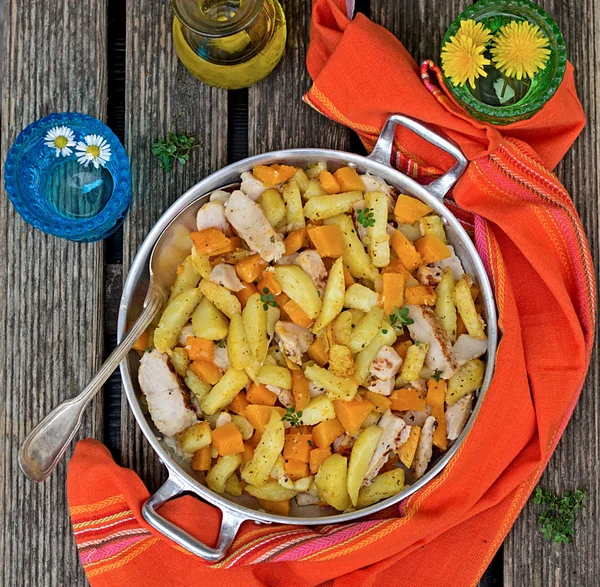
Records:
x=238, y=349
x=223, y=392
x=293, y=203
x=209, y=322
x=271, y=491
x=273, y=206
x=467, y=379
x=180, y=360
x=385, y=485
x=328, y=206
x=365, y=331
x=246, y=429
x=258, y=469
x=198, y=387
x=341, y=362
x=332, y=482
x=302, y=179
x=313, y=189
x=355, y=257
x=360, y=458
x=276, y=376
x=445, y=309
x=217, y=477
x=413, y=363
x=313, y=171
x=221, y=297
x=385, y=336
x=466, y=308
x=187, y=278
x=359, y=297
x=433, y=225
x=298, y=286
x=342, y=328
x=336, y=387
x=319, y=409
x=174, y=318
x=201, y=263
x=255, y=327
x=378, y=238
x=333, y=299
x=233, y=486
x=195, y=437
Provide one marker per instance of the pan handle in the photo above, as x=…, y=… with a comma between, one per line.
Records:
x=229, y=524
x=382, y=153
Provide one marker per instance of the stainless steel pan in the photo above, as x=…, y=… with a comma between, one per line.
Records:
x=181, y=477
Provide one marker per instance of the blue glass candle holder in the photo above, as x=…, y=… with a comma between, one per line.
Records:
x=68, y=175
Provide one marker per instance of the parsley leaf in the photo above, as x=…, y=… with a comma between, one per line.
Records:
x=175, y=147
x=399, y=319
x=436, y=375
x=557, y=522
x=292, y=417
x=268, y=299
x=222, y=344
x=365, y=217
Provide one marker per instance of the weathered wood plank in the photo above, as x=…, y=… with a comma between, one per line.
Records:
x=278, y=117
x=51, y=308
x=158, y=89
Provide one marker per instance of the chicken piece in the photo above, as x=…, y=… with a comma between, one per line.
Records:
x=382, y=386
x=222, y=419
x=186, y=331
x=169, y=401
x=252, y=186
x=426, y=327
x=314, y=389
x=360, y=229
x=420, y=384
x=174, y=446
x=311, y=263
x=373, y=183
x=225, y=275
x=414, y=417
x=390, y=229
x=343, y=444
x=429, y=275
x=466, y=348
x=288, y=260
x=424, y=448
x=453, y=262
x=293, y=340
x=285, y=396
x=395, y=434
x=303, y=499
x=386, y=363
x=457, y=416
x=221, y=358
x=212, y=215
x=252, y=225
x=219, y=196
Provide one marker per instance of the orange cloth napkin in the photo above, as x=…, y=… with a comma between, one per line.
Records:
x=532, y=243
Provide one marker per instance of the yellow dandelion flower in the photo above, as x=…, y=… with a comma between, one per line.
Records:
x=520, y=49
x=475, y=30
x=463, y=60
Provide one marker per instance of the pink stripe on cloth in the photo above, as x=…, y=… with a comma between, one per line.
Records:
x=98, y=554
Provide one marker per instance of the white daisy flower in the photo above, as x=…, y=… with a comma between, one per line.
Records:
x=60, y=138
x=95, y=149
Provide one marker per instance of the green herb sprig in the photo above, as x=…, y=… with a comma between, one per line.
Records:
x=399, y=319
x=295, y=418
x=558, y=521
x=222, y=344
x=176, y=147
x=268, y=299
x=365, y=217
x=436, y=375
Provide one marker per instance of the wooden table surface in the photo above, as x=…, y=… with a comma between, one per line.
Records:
x=115, y=60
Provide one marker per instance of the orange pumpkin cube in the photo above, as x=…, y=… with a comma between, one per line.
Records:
x=432, y=249
x=244, y=294
x=297, y=447
x=317, y=456
x=329, y=182
x=239, y=404
x=259, y=394
x=409, y=209
x=272, y=175
x=318, y=353
x=326, y=432
x=294, y=241
x=200, y=349
x=409, y=256
x=201, y=460
x=300, y=390
x=297, y=314
x=141, y=344
x=352, y=414
x=392, y=291
x=227, y=440
x=248, y=452
x=211, y=241
x=420, y=295
x=259, y=415
x=407, y=398
x=381, y=403
x=406, y=452
x=280, y=508
x=402, y=347
x=349, y=180
x=436, y=396
x=206, y=371
x=250, y=268
x=327, y=240
x=268, y=282
x=296, y=469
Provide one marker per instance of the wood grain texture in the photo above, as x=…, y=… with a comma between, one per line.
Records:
x=528, y=559
x=51, y=307
x=159, y=90
x=278, y=117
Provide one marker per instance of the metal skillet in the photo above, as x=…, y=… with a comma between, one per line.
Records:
x=179, y=219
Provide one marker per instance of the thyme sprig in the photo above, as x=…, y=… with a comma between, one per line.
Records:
x=365, y=217
x=268, y=299
x=295, y=418
x=557, y=523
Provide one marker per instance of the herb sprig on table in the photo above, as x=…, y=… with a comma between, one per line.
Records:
x=175, y=147
x=558, y=521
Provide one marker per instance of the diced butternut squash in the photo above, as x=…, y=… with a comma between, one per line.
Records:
x=300, y=390
x=406, y=452
x=326, y=432
x=268, y=281
x=253, y=442
x=420, y=295
x=409, y=256
x=201, y=460
x=296, y=469
x=352, y=414
x=250, y=268
x=329, y=182
x=381, y=403
x=348, y=279
x=239, y=404
x=297, y=314
x=349, y=180
x=259, y=415
x=244, y=294
x=298, y=447
x=318, y=353
x=409, y=209
x=259, y=394
x=436, y=396
x=392, y=292
x=200, y=349
x=206, y=371
x=227, y=440
x=460, y=326
x=141, y=344
x=211, y=241
x=274, y=174
x=248, y=453
x=317, y=456
x=327, y=240
x=402, y=347
x=279, y=508
x=432, y=249
x=407, y=398
x=295, y=241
